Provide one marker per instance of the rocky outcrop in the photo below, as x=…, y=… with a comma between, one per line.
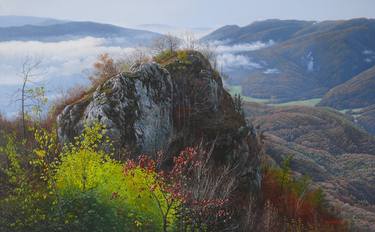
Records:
x=168, y=107
x=135, y=108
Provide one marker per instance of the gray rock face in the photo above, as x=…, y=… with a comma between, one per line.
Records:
x=154, y=126
x=168, y=107
x=135, y=108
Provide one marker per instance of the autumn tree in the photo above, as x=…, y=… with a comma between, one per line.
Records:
x=105, y=68
x=164, y=43
x=208, y=50
x=238, y=104
x=137, y=56
x=28, y=72
x=189, y=41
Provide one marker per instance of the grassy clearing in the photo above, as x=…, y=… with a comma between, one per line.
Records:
x=237, y=89
x=308, y=102
x=234, y=89
x=355, y=113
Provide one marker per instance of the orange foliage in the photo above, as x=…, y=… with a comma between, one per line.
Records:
x=13, y=126
x=105, y=68
x=298, y=205
x=72, y=96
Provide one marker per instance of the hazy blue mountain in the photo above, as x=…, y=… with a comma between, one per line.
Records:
x=307, y=58
x=17, y=21
x=75, y=30
x=272, y=29
x=175, y=30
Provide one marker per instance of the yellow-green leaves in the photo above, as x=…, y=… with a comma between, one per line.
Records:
x=14, y=171
x=87, y=169
x=80, y=187
x=46, y=152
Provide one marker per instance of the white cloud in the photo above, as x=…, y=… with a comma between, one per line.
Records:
x=230, y=57
x=245, y=47
x=369, y=56
x=64, y=64
x=368, y=52
x=232, y=61
x=271, y=71
x=64, y=58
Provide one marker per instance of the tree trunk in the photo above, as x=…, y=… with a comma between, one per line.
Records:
x=165, y=224
x=23, y=107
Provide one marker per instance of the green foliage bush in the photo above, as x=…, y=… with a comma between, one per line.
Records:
x=86, y=169
x=24, y=207
x=164, y=56
x=167, y=55
x=83, y=190
x=128, y=195
x=300, y=187
x=297, y=204
x=183, y=56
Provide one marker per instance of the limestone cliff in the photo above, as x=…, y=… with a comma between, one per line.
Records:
x=180, y=102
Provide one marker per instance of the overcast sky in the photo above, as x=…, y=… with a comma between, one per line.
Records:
x=189, y=13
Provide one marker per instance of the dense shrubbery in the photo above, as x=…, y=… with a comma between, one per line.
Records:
x=167, y=55
x=126, y=195
x=81, y=188
x=291, y=203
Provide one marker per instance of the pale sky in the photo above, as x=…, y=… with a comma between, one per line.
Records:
x=189, y=13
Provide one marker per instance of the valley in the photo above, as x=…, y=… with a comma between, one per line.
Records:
x=264, y=126
x=326, y=146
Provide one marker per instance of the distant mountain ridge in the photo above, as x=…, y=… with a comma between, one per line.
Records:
x=310, y=57
x=272, y=29
x=355, y=97
x=175, y=30
x=358, y=92
x=17, y=21
x=50, y=30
